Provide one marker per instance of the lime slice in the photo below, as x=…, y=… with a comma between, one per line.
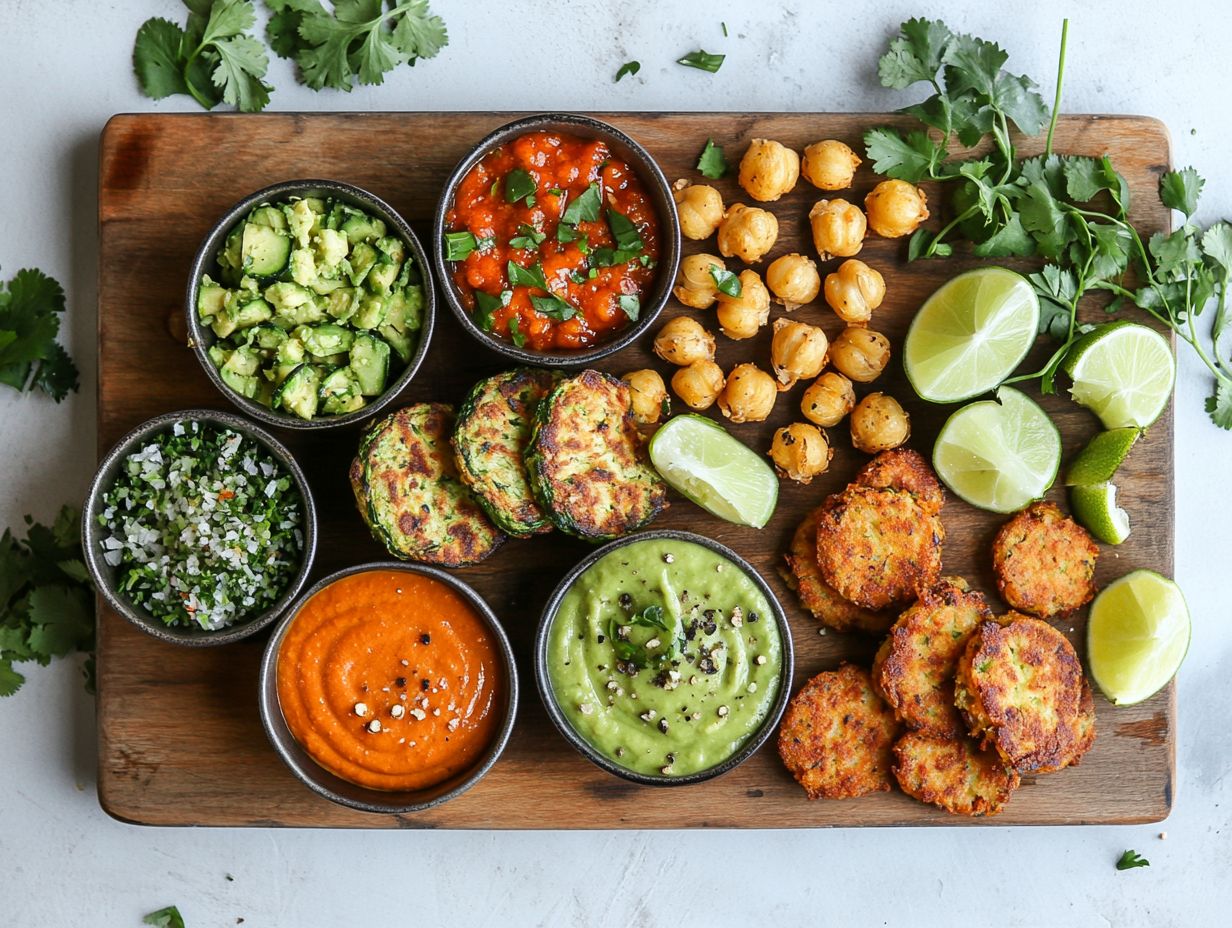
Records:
x=697, y=457
x=1137, y=636
x=1099, y=460
x=999, y=454
x=971, y=334
x=1095, y=507
x=1123, y=372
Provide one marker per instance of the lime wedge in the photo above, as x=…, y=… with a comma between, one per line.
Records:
x=1137, y=636
x=1099, y=460
x=1123, y=372
x=971, y=334
x=999, y=454
x=1095, y=507
x=702, y=462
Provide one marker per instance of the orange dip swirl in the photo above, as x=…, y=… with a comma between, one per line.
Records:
x=381, y=639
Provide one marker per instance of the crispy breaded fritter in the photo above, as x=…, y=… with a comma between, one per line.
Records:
x=836, y=736
x=1084, y=731
x=817, y=596
x=1020, y=687
x=878, y=547
x=953, y=772
x=906, y=470
x=914, y=669
x=1044, y=562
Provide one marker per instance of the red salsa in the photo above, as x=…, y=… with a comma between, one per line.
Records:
x=553, y=241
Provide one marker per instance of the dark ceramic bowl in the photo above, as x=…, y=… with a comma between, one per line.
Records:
x=657, y=188
x=599, y=759
x=105, y=576
x=341, y=791
x=201, y=337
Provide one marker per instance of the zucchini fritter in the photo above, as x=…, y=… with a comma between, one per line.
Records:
x=817, y=596
x=914, y=668
x=494, y=426
x=877, y=546
x=1020, y=688
x=836, y=736
x=906, y=470
x=1044, y=562
x=586, y=463
x=953, y=773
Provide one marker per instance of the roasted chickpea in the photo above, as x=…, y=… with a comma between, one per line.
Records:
x=649, y=393
x=700, y=208
x=828, y=399
x=879, y=423
x=695, y=284
x=896, y=208
x=797, y=350
x=768, y=170
x=800, y=451
x=684, y=340
x=749, y=394
x=829, y=165
x=747, y=232
x=860, y=354
x=794, y=280
x=743, y=316
x=699, y=384
x=838, y=228
x=854, y=291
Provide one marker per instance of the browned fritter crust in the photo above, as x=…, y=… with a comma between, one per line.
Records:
x=953, y=773
x=1020, y=687
x=836, y=736
x=906, y=470
x=914, y=669
x=878, y=547
x=1044, y=562
x=817, y=596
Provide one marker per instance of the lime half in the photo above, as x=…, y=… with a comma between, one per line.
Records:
x=1100, y=459
x=705, y=464
x=971, y=334
x=1123, y=372
x=1137, y=636
x=999, y=454
x=1095, y=507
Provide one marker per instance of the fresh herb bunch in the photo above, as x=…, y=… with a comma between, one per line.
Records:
x=1072, y=211
x=45, y=606
x=30, y=356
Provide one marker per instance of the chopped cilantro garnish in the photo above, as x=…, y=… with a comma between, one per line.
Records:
x=624, y=231
x=1131, y=859
x=712, y=164
x=702, y=60
x=165, y=918
x=725, y=280
x=519, y=185
x=585, y=208
x=486, y=305
x=553, y=307
x=629, y=67
x=515, y=332
x=459, y=244
x=528, y=237
x=631, y=305
x=526, y=276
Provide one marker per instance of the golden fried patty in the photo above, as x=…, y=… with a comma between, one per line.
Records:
x=914, y=669
x=954, y=773
x=906, y=470
x=836, y=736
x=877, y=546
x=1044, y=562
x=1020, y=688
x=817, y=596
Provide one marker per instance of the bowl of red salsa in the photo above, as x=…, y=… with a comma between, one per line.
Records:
x=556, y=240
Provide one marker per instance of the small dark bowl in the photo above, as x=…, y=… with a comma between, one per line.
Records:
x=201, y=337
x=544, y=682
x=341, y=791
x=104, y=575
x=657, y=188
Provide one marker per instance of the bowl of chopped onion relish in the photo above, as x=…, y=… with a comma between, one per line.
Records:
x=199, y=527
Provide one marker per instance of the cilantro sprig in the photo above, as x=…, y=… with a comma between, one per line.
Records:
x=1130, y=860
x=30, y=356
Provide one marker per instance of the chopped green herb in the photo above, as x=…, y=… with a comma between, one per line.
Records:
x=486, y=244
x=526, y=276
x=625, y=232
x=578, y=277
x=703, y=61
x=556, y=191
x=629, y=67
x=459, y=245
x=486, y=305
x=553, y=307
x=725, y=280
x=724, y=25
x=712, y=164
x=631, y=305
x=585, y=208
x=30, y=356
x=528, y=237
x=1131, y=859
x=515, y=332
x=165, y=918
x=519, y=185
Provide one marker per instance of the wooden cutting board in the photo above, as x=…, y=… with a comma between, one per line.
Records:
x=180, y=742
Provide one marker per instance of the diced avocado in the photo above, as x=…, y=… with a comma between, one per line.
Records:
x=229, y=261
x=299, y=392
x=286, y=295
x=326, y=339
x=338, y=214
x=210, y=298
x=341, y=359
x=301, y=219
x=266, y=337
x=265, y=392
x=402, y=343
x=342, y=303
x=269, y=216
x=332, y=246
x=340, y=392
x=371, y=313
x=363, y=256
x=393, y=248
x=223, y=324
x=363, y=228
x=240, y=371
x=243, y=384
x=218, y=353
x=253, y=313
x=303, y=267
x=325, y=285
x=381, y=276
x=414, y=306
x=264, y=251
x=370, y=362
x=288, y=356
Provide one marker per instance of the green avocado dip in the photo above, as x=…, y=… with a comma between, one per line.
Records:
x=665, y=657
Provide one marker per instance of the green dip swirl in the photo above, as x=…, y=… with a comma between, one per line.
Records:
x=709, y=678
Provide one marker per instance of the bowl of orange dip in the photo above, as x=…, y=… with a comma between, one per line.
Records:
x=389, y=688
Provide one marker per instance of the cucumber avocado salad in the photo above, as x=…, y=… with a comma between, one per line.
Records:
x=315, y=307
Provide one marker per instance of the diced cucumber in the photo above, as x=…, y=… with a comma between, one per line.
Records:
x=243, y=384
x=393, y=248
x=325, y=339
x=324, y=285
x=413, y=307
x=289, y=355
x=331, y=246
x=370, y=362
x=342, y=303
x=240, y=371
x=219, y=353
x=303, y=267
x=363, y=229
x=402, y=343
x=254, y=312
x=363, y=256
x=338, y=214
x=264, y=251
x=224, y=323
x=340, y=392
x=371, y=313
x=268, y=216
x=210, y=298
x=267, y=337
x=299, y=392
x=287, y=295
x=381, y=277
x=229, y=259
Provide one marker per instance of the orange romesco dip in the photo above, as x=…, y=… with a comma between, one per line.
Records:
x=391, y=680
x=578, y=225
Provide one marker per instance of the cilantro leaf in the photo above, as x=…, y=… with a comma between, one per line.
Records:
x=30, y=356
x=726, y=281
x=525, y=276
x=630, y=305
x=628, y=238
x=629, y=67
x=554, y=307
x=1057, y=289
x=419, y=33
x=1219, y=405
x=165, y=918
x=459, y=245
x=1009, y=240
x=1084, y=178
x=520, y=185
x=702, y=61
x=1180, y=190
x=156, y=59
x=585, y=208
x=10, y=679
x=911, y=158
x=711, y=162
x=1217, y=245
x=515, y=332
x=915, y=55
x=241, y=65
x=1131, y=859
x=486, y=305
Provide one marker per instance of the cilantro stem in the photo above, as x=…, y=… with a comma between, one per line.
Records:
x=947, y=228
x=1056, y=103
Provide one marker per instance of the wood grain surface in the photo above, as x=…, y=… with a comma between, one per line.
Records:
x=180, y=741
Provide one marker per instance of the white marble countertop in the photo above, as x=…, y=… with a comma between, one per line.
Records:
x=63, y=862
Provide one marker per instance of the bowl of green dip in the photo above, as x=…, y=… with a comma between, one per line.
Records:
x=664, y=658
